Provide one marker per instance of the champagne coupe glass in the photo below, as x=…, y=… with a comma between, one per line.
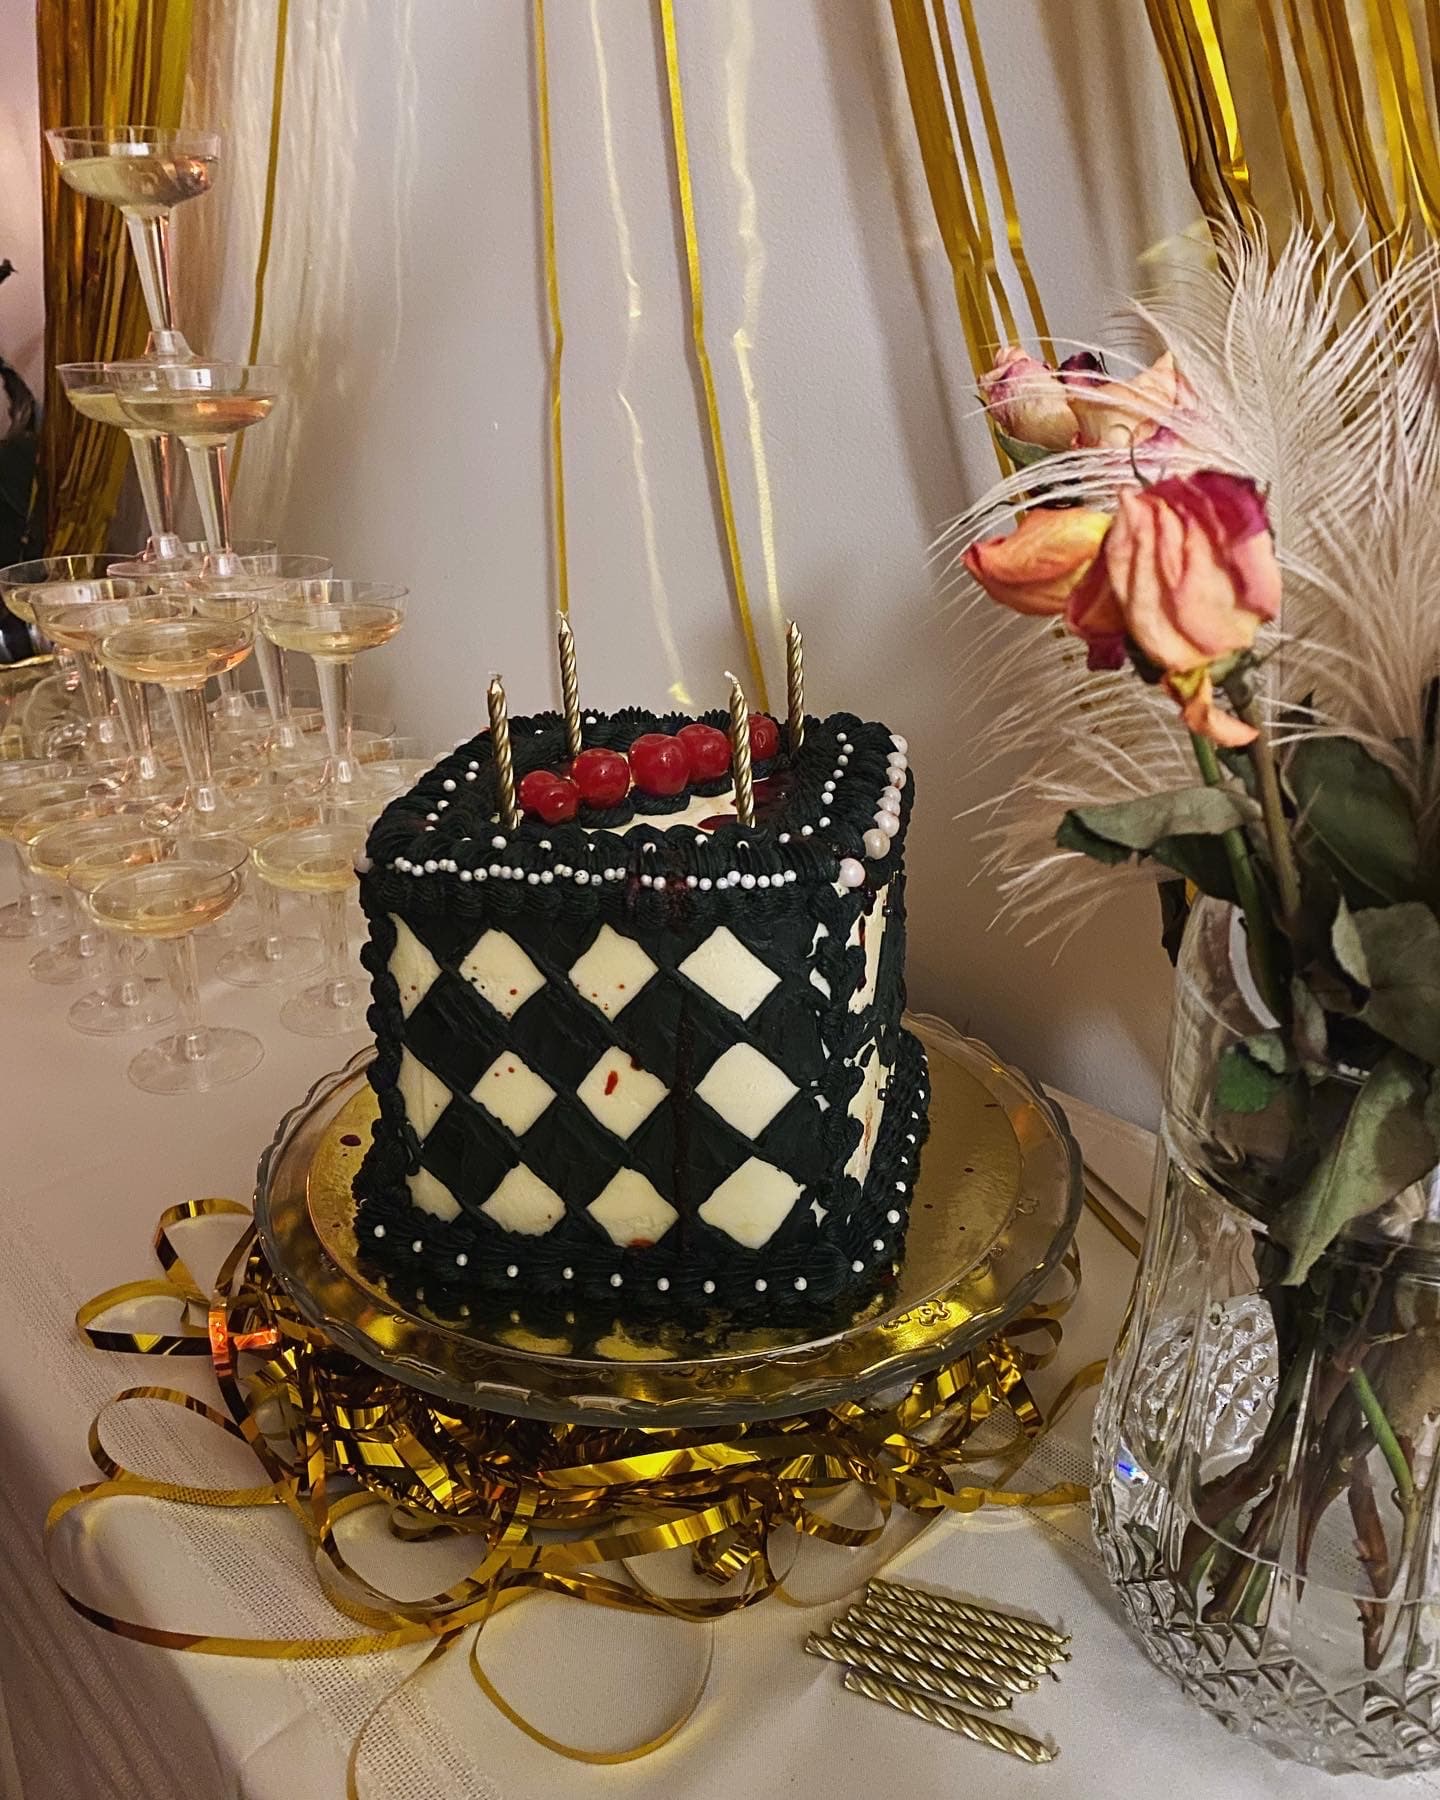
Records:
x=320, y=859
x=76, y=615
x=169, y=900
x=67, y=957
x=27, y=918
x=147, y=171
x=271, y=954
x=91, y=392
x=83, y=853
x=206, y=405
x=332, y=622
x=180, y=654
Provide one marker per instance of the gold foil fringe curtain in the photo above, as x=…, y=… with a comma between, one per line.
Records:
x=101, y=62
x=545, y=1505
x=1321, y=112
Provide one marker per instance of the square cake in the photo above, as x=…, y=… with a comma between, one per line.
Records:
x=645, y=1056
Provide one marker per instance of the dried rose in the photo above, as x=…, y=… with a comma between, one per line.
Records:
x=1038, y=566
x=1116, y=415
x=1028, y=400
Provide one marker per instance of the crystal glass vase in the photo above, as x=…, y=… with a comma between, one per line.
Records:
x=1265, y=1492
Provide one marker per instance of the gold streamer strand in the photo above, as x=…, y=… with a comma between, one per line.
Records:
x=719, y=467
x=267, y=210
x=552, y=303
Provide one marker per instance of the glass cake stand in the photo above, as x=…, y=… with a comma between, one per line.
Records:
x=993, y=1211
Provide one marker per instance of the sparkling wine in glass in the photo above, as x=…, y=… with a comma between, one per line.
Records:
x=169, y=901
x=91, y=392
x=332, y=622
x=180, y=654
x=271, y=955
x=27, y=918
x=67, y=957
x=320, y=860
x=76, y=615
x=83, y=853
x=206, y=405
x=147, y=171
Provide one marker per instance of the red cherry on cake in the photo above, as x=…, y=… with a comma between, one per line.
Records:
x=659, y=764
x=707, y=750
x=602, y=776
x=550, y=797
x=764, y=737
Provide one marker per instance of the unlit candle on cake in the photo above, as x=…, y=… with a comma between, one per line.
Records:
x=569, y=687
x=500, y=751
x=740, y=753
x=795, y=684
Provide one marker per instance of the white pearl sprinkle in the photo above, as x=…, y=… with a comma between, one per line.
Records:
x=533, y=878
x=892, y=1216
x=857, y=1268
x=700, y=838
x=440, y=805
x=567, y=1274
x=705, y=884
x=417, y=1246
x=829, y=788
x=497, y=843
x=807, y=830
x=692, y=881
x=909, y=1137
x=469, y=774
x=563, y=869
x=647, y=881
x=617, y=1281
x=546, y=877
x=545, y=844
x=851, y=874
x=899, y=742
x=747, y=880
x=876, y=843
x=472, y=766
x=432, y=818
x=899, y=1187
x=887, y=824
x=836, y=775
x=801, y=1284
x=494, y=868
x=708, y=1287
x=879, y=1243
x=844, y=761
x=658, y=883
x=791, y=876
x=461, y=1260
x=763, y=880
x=663, y=1284
x=448, y=784
x=512, y=1271
x=467, y=875
x=581, y=877
x=897, y=779
x=761, y=1285
x=784, y=837
x=379, y=1231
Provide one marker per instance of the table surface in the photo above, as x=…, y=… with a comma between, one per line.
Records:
x=88, y=1164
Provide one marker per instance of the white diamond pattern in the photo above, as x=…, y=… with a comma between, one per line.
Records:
x=512, y=1092
x=424, y=1093
x=412, y=965
x=612, y=971
x=431, y=1195
x=746, y=1089
x=752, y=1204
x=619, y=1094
x=729, y=973
x=523, y=1203
x=500, y=971
x=631, y=1210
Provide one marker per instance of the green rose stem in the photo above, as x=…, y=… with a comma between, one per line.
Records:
x=1272, y=807
x=1391, y=1449
x=1252, y=902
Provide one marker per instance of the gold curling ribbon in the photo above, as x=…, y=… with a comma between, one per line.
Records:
x=267, y=210
x=720, y=468
x=552, y=303
x=545, y=1503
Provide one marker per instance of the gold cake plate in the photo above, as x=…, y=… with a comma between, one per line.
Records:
x=993, y=1211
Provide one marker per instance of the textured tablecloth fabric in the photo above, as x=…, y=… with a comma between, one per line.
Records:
x=88, y=1164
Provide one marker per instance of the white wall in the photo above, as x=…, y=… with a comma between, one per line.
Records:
x=405, y=299
x=22, y=297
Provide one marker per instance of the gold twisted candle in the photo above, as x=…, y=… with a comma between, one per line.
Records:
x=500, y=751
x=795, y=684
x=569, y=687
x=969, y=1639
x=949, y=1718
x=953, y=1658
x=740, y=753
x=938, y=1683
x=921, y=1600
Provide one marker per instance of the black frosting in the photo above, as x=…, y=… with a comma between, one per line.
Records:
x=667, y=888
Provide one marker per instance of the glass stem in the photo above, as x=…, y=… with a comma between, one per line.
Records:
x=96, y=697
x=32, y=901
x=122, y=983
x=192, y=727
x=339, y=988
x=134, y=703
x=150, y=240
x=212, y=490
x=193, y=1038
x=150, y=450
x=270, y=660
x=89, y=939
x=269, y=935
x=337, y=703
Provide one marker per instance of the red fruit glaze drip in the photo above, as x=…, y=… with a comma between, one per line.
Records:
x=612, y=1081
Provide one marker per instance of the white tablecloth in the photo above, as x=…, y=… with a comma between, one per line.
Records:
x=88, y=1164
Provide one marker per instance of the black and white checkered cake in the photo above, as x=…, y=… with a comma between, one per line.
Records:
x=649, y=1057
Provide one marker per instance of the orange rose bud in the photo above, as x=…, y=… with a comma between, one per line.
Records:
x=1035, y=569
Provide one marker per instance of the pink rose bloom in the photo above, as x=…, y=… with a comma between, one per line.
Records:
x=1028, y=400
x=1035, y=569
x=1115, y=415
